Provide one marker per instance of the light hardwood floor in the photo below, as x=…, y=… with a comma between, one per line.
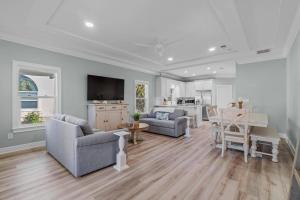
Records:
x=160, y=168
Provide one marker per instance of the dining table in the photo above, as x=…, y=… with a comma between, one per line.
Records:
x=242, y=117
x=253, y=119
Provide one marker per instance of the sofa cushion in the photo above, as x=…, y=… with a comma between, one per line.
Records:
x=162, y=115
x=85, y=127
x=59, y=116
x=164, y=123
x=149, y=121
x=176, y=113
x=159, y=123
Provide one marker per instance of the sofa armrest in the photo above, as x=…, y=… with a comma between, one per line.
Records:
x=180, y=120
x=145, y=115
x=96, y=138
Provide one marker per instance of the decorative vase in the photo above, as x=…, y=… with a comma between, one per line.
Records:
x=240, y=104
x=136, y=124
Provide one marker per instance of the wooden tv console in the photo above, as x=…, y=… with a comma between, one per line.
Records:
x=107, y=117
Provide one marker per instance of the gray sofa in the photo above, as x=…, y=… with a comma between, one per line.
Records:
x=175, y=126
x=79, y=153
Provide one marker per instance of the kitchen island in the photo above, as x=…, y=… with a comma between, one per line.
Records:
x=194, y=112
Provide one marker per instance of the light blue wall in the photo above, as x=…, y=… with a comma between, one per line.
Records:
x=74, y=72
x=264, y=83
x=293, y=91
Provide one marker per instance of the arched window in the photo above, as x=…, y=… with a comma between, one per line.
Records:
x=28, y=91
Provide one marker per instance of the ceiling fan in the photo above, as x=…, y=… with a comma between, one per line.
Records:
x=159, y=46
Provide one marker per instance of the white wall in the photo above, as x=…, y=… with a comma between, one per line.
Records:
x=264, y=84
x=74, y=73
x=293, y=92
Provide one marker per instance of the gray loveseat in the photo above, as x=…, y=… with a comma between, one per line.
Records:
x=79, y=153
x=175, y=126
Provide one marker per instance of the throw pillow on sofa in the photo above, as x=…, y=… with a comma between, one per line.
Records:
x=162, y=115
x=176, y=113
x=85, y=127
x=59, y=116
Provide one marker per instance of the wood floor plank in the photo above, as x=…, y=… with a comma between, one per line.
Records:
x=160, y=168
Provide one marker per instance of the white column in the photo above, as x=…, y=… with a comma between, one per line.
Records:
x=121, y=156
x=187, y=130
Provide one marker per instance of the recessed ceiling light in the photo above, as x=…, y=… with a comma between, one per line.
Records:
x=208, y=68
x=193, y=74
x=170, y=59
x=186, y=71
x=89, y=24
x=211, y=49
x=214, y=72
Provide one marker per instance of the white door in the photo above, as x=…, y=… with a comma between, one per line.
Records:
x=224, y=95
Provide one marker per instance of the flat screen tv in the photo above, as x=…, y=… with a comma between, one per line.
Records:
x=104, y=88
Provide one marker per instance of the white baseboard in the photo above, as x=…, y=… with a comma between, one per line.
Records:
x=288, y=141
x=21, y=147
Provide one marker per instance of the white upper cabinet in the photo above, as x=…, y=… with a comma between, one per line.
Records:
x=203, y=84
x=190, y=89
x=164, y=86
x=181, y=89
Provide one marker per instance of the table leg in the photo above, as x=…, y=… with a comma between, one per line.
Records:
x=253, y=148
x=274, y=152
x=121, y=156
x=134, y=137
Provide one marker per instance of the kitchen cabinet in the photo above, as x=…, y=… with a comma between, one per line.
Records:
x=181, y=89
x=190, y=89
x=203, y=84
x=164, y=86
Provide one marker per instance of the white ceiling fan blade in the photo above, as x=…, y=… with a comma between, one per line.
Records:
x=143, y=45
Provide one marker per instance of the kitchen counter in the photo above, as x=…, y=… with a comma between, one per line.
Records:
x=183, y=105
x=194, y=111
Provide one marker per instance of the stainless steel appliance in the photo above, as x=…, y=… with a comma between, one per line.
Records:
x=186, y=101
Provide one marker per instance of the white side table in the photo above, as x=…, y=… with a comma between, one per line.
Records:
x=121, y=156
x=187, y=130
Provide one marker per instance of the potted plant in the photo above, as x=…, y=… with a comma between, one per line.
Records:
x=136, y=118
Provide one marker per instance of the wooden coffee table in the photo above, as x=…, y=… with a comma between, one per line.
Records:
x=134, y=130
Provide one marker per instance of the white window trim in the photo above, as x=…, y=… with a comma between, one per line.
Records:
x=146, y=97
x=17, y=127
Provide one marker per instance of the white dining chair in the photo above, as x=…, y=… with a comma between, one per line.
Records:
x=212, y=111
x=234, y=130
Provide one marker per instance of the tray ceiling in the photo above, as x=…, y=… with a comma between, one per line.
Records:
x=186, y=30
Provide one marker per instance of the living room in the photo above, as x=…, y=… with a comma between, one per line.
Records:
x=106, y=100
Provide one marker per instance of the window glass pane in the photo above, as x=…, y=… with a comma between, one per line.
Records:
x=140, y=105
x=140, y=90
x=29, y=103
x=30, y=114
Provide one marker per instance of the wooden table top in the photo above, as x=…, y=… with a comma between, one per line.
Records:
x=254, y=119
x=131, y=126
